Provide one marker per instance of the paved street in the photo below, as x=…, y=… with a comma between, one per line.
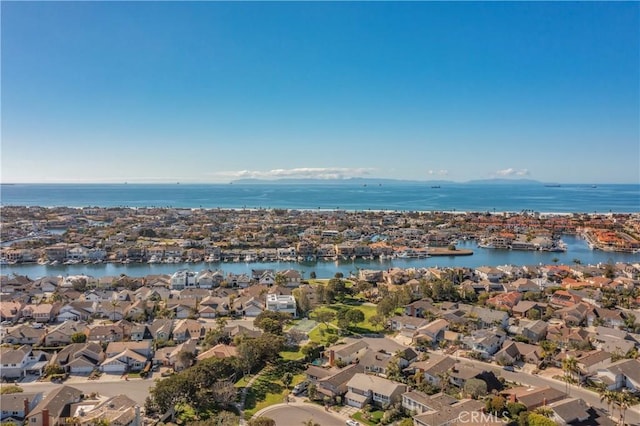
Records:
x=296, y=414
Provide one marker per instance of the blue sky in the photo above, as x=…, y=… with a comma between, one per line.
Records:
x=210, y=92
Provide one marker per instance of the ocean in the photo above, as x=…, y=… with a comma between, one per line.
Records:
x=344, y=196
x=347, y=196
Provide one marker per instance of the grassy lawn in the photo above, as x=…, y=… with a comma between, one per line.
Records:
x=349, y=303
x=376, y=416
x=242, y=382
x=292, y=355
x=268, y=390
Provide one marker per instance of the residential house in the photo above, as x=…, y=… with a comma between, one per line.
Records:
x=141, y=332
x=16, y=406
x=281, y=303
x=434, y=368
x=143, y=348
x=24, y=335
x=335, y=384
x=454, y=414
x=105, y=333
x=533, y=398
x=433, y=332
x=407, y=325
x=160, y=329
x=55, y=407
x=346, y=353
x=365, y=388
x=418, y=308
x=569, y=411
x=61, y=334
x=117, y=410
x=523, y=307
x=79, y=358
x=419, y=402
x=505, y=300
x=21, y=362
x=485, y=342
x=292, y=278
x=187, y=329
x=624, y=373
x=535, y=330
x=168, y=356
x=219, y=351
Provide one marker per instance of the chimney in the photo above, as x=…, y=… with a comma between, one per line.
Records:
x=512, y=398
x=26, y=407
x=45, y=417
x=332, y=358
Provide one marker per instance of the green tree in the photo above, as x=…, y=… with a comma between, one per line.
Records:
x=376, y=320
x=355, y=316
x=78, y=337
x=287, y=378
x=535, y=419
x=476, y=388
x=271, y=321
x=324, y=316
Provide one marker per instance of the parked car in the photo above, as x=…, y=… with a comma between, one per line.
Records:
x=300, y=387
x=508, y=368
x=352, y=423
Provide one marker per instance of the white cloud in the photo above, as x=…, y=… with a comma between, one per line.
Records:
x=438, y=172
x=299, y=172
x=512, y=172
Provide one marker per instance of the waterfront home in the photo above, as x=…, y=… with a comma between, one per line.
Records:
x=54, y=408
x=365, y=388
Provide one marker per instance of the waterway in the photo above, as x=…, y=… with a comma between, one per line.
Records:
x=577, y=249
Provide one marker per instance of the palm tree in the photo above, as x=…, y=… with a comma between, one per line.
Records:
x=623, y=400
x=609, y=397
x=569, y=366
